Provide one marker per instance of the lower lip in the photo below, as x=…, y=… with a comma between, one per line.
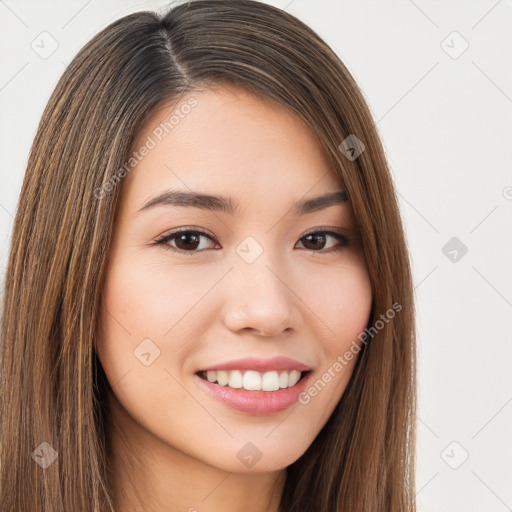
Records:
x=256, y=402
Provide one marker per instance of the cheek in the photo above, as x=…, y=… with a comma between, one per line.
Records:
x=134, y=292
x=130, y=313
x=142, y=300
x=147, y=300
x=344, y=305
x=345, y=309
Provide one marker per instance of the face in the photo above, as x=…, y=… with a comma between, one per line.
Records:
x=248, y=287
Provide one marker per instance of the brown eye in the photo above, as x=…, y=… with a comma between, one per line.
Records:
x=189, y=241
x=316, y=241
x=185, y=241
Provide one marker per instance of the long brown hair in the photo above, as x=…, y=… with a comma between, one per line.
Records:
x=53, y=388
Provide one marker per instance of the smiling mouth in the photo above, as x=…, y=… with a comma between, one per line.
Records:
x=251, y=380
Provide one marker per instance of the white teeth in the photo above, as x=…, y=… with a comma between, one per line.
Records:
x=222, y=378
x=293, y=378
x=235, y=379
x=253, y=380
x=270, y=381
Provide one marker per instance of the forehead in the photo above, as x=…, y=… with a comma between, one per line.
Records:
x=227, y=142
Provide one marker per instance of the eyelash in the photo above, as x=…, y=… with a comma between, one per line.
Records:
x=164, y=239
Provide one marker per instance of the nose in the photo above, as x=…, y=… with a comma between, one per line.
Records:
x=259, y=298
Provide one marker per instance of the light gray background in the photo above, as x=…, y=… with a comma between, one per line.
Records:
x=445, y=119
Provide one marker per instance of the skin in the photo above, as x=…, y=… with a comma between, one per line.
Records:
x=174, y=447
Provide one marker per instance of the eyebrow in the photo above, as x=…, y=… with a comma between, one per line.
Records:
x=230, y=206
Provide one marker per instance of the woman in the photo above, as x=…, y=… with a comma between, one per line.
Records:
x=213, y=280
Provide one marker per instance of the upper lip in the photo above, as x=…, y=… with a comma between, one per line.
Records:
x=261, y=365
